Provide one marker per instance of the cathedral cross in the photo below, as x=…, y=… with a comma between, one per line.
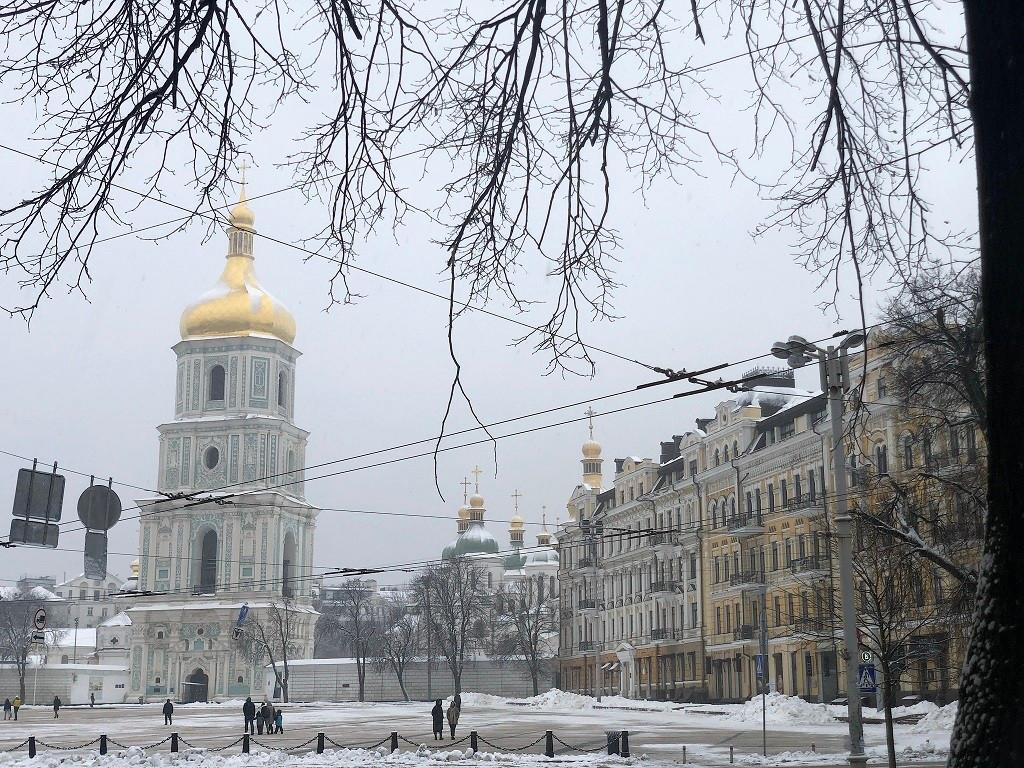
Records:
x=476, y=474
x=590, y=413
x=516, y=496
x=465, y=489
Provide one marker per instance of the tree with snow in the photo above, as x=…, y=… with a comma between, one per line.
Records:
x=269, y=635
x=353, y=620
x=526, y=617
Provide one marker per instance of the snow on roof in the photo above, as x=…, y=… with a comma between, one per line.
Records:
x=66, y=637
x=36, y=593
x=121, y=619
x=202, y=605
x=778, y=397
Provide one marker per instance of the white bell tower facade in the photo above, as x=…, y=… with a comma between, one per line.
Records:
x=232, y=527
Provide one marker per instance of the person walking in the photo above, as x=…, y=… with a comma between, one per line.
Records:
x=17, y=706
x=453, y=718
x=437, y=713
x=168, y=713
x=92, y=700
x=7, y=709
x=56, y=707
x=268, y=716
x=278, y=721
x=260, y=716
x=249, y=715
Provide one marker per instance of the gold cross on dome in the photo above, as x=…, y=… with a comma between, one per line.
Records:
x=244, y=167
x=516, y=496
x=544, y=516
x=465, y=489
x=476, y=474
x=590, y=413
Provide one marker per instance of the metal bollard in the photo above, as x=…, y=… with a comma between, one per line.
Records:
x=684, y=753
x=612, y=738
x=731, y=759
x=473, y=741
x=245, y=743
x=319, y=743
x=103, y=744
x=812, y=747
x=31, y=746
x=549, y=743
x=174, y=742
x=624, y=744
x=394, y=742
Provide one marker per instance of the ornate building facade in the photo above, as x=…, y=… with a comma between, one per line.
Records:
x=233, y=439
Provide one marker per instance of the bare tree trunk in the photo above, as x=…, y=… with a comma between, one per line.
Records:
x=890, y=741
x=987, y=730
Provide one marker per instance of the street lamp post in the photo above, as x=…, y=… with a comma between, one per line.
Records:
x=833, y=367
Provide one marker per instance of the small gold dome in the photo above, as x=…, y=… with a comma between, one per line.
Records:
x=238, y=305
x=476, y=501
x=463, y=512
x=517, y=523
x=591, y=449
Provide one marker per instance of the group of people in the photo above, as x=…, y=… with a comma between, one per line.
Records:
x=266, y=716
x=11, y=708
x=438, y=715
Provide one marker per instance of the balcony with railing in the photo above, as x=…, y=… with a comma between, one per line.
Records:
x=805, y=506
x=664, y=543
x=744, y=632
x=589, y=604
x=811, y=624
x=664, y=634
x=746, y=525
x=587, y=645
x=664, y=587
x=747, y=580
x=809, y=565
x=588, y=564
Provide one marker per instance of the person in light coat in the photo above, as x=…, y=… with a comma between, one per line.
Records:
x=453, y=718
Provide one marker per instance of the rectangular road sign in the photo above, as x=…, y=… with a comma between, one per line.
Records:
x=34, y=533
x=866, y=678
x=760, y=666
x=39, y=495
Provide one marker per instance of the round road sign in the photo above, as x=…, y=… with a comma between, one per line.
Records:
x=39, y=620
x=99, y=508
x=866, y=656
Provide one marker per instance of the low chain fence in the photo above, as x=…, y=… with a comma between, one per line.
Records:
x=615, y=743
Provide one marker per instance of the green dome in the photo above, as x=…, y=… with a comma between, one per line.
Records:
x=515, y=561
x=449, y=551
x=475, y=540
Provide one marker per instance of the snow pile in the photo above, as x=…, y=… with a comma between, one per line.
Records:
x=792, y=758
x=481, y=700
x=938, y=719
x=779, y=710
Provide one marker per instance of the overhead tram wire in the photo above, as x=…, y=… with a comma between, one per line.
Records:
x=195, y=502
x=213, y=218
x=430, y=440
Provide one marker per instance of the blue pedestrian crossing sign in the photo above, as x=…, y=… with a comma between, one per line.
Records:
x=759, y=665
x=866, y=678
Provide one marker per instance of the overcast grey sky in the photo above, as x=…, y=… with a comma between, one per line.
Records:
x=87, y=384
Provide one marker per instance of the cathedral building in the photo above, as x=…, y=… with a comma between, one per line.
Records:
x=233, y=438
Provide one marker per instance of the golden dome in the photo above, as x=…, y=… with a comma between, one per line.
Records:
x=517, y=523
x=591, y=449
x=476, y=501
x=463, y=512
x=238, y=305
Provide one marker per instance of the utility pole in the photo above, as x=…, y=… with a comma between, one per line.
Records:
x=74, y=658
x=426, y=595
x=834, y=370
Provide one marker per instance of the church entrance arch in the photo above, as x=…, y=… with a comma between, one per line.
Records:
x=197, y=686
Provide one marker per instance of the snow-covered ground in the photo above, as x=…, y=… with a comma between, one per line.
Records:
x=798, y=733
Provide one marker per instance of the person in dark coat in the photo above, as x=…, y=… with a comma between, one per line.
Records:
x=92, y=700
x=437, y=713
x=168, y=713
x=7, y=709
x=56, y=707
x=278, y=721
x=268, y=715
x=453, y=718
x=249, y=715
x=259, y=721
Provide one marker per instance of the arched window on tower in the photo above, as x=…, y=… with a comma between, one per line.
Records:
x=217, y=383
x=288, y=566
x=207, y=582
x=282, y=389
